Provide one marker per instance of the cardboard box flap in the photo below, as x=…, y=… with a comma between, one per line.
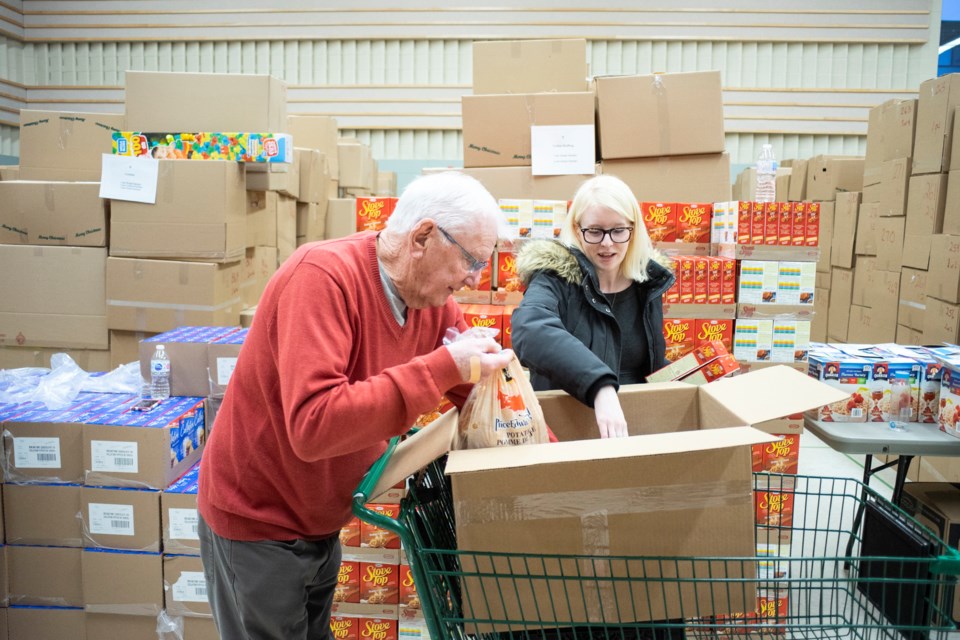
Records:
x=772, y=393
x=418, y=451
x=602, y=449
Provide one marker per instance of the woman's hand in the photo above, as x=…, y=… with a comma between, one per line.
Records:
x=606, y=406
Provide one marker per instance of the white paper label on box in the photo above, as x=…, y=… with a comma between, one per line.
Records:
x=191, y=586
x=111, y=519
x=562, y=150
x=126, y=178
x=114, y=457
x=225, y=367
x=36, y=453
x=183, y=524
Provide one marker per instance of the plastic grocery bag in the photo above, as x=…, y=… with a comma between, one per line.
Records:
x=501, y=410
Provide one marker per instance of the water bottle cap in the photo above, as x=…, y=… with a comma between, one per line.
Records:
x=160, y=347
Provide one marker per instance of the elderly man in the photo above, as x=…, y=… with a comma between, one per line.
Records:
x=345, y=351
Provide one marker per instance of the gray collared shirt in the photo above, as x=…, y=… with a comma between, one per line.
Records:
x=397, y=305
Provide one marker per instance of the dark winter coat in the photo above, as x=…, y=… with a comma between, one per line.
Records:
x=565, y=332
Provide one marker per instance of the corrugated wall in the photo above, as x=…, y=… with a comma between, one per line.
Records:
x=800, y=77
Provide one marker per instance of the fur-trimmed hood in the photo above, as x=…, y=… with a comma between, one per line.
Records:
x=552, y=255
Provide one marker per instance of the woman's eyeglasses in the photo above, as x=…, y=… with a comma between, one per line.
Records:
x=594, y=235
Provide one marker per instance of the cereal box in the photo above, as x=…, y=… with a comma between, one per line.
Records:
x=774, y=507
x=744, y=218
x=753, y=339
x=784, y=230
x=728, y=292
x=928, y=392
x=345, y=627
x=507, y=276
x=484, y=316
x=375, y=537
x=714, y=280
x=688, y=362
x=680, y=335
x=408, y=590
x=719, y=330
x=701, y=276
x=348, y=583
x=372, y=213
x=672, y=295
x=379, y=583
x=378, y=629
x=693, y=222
x=811, y=235
x=757, y=222
x=506, y=339
x=848, y=374
x=350, y=534
x=687, y=278
x=798, y=224
x=771, y=222
x=949, y=415
x=660, y=219
x=783, y=455
x=231, y=146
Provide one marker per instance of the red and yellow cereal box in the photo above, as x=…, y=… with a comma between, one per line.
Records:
x=811, y=236
x=680, y=336
x=378, y=629
x=350, y=534
x=798, y=225
x=506, y=335
x=717, y=330
x=660, y=219
x=771, y=222
x=744, y=218
x=693, y=221
x=783, y=455
x=784, y=230
x=375, y=537
x=372, y=213
x=379, y=583
x=672, y=295
x=507, y=276
x=728, y=293
x=485, y=316
x=714, y=280
x=687, y=278
x=713, y=370
x=348, y=583
x=774, y=507
x=758, y=221
x=345, y=627
x=701, y=277
x=408, y=590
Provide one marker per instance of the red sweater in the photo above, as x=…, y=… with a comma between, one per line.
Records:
x=324, y=378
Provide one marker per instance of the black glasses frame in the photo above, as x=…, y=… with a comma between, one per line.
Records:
x=475, y=265
x=606, y=232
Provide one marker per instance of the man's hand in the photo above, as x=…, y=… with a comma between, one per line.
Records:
x=606, y=406
x=478, y=357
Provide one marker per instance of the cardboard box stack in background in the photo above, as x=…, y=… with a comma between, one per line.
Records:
x=53, y=235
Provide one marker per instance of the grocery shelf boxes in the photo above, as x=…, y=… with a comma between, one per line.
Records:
x=201, y=358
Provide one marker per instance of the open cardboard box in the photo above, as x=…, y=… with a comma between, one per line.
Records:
x=679, y=486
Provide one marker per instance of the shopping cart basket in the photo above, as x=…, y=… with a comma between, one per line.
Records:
x=810, y=588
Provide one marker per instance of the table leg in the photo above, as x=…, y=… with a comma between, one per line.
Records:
x=857, y=519
x=902, y=468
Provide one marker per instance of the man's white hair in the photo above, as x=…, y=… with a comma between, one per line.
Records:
x=454, y=200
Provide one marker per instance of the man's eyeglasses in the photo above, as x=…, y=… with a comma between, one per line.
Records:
x=475, y=265
x=593, y=235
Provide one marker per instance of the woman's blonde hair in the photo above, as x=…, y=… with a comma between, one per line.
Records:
x=614, y=194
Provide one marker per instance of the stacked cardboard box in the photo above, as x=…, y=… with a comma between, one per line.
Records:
x=53, y=235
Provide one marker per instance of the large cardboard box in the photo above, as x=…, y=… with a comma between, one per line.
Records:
x=826, y=175
x=130, y=584
x=125, y=346
x=60, y=145
x=317, y=132
x=874, y=156
x=9, y=172
x=913, y=298
x=179, y=516
x=160, y=101
x=821, y=308
x=872, y=325
x=31, y=623
x=282, y=178
x=530, y=66
x=13, y=357
x=890, y=243
x=519, y=183
x=699, y=178
x=908, y=336
x=899, y=127
x=938, y=99
x=951, y=213
x=893, y=183
x=53, y=213
x=42, y=514
x=200, y=213
x=259, y=265
x=185, y=587
x=936, y=505
x=798, y=181
x=664, y=114
x=341, y=218
x=262, y=218
x=110, y=626
x=158, y=295
x=314, y=175
x=925, y=216
x=864, y=281
x=286, y=228
x=120, y=519
x=941, y=322
x=386, y=184
x=867, y=221
x=841, y=296
x=187, y=349
x=57, y=298
x=311, y=221
x=680, y=442
x=496, y=128
x=45, y=576
x=355, y=160
x=943, y=282
x=846, y=214
x=827, y=224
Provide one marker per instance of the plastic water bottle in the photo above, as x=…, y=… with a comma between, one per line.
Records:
x=160, y=374
x=766, y=175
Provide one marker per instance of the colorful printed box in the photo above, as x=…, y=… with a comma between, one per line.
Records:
x=693, y=222
x=728, y=291
x=231, y=146
x=753, y=339
x=348, y=583
x=715, y=280
x=701, y=279
x=713, y=371
x=379, y=583
x=771, y=223
x=689, y=363
x=784, y=230
x=744, y=220
x=373, y=213
x=759, y=280
x=660, y=219
x=847, y=373
x=375, y=537
x=687, y=279
x=720, y=330
x=757, y=223
x=484, y=316
x=796, y=282
x=680, y=336
x=812, y=231
x=798, y=224
x=350, y=533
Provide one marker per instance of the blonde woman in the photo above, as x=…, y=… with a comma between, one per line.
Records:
x=592, y=316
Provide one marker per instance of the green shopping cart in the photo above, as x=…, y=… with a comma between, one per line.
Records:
x=896, y=581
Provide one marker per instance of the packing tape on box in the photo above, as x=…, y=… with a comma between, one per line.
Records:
x=173, y=306
x=595, y=534
x=50, y=197
x=659, y=92
x=165, y=182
